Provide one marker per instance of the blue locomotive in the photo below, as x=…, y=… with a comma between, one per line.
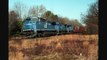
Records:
x=35, y=26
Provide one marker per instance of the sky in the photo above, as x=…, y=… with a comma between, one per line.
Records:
x=71, y=9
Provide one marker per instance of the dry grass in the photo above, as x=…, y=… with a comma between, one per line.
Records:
x=63, y=47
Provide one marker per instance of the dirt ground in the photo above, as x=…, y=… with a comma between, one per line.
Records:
x=62, y=47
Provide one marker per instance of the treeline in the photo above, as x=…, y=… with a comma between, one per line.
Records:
x=17, y=16
x=91, y=18
x=19, y=13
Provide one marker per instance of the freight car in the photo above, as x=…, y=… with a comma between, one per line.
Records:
x=35, y=26
x=79, y=29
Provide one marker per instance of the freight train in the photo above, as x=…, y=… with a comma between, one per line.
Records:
x=36, y=27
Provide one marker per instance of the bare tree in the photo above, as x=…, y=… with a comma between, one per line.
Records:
x=42, y=10
x=66, y=20
x=91, y=18
x=20, y=8
x=32, y=11
x=37, y=11
x=75, y=22
x=61, y=20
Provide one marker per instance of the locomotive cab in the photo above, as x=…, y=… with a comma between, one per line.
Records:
x=29, y=27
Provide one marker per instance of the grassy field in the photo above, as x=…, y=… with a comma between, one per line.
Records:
x=62, y=47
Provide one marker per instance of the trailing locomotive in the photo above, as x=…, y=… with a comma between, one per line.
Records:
x=35, y=26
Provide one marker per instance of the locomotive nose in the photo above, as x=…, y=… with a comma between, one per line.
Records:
x=27, y=27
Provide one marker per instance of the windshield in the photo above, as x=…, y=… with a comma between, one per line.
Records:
x=34, y=19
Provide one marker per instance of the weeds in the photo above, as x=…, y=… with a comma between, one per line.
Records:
x=68, y=47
